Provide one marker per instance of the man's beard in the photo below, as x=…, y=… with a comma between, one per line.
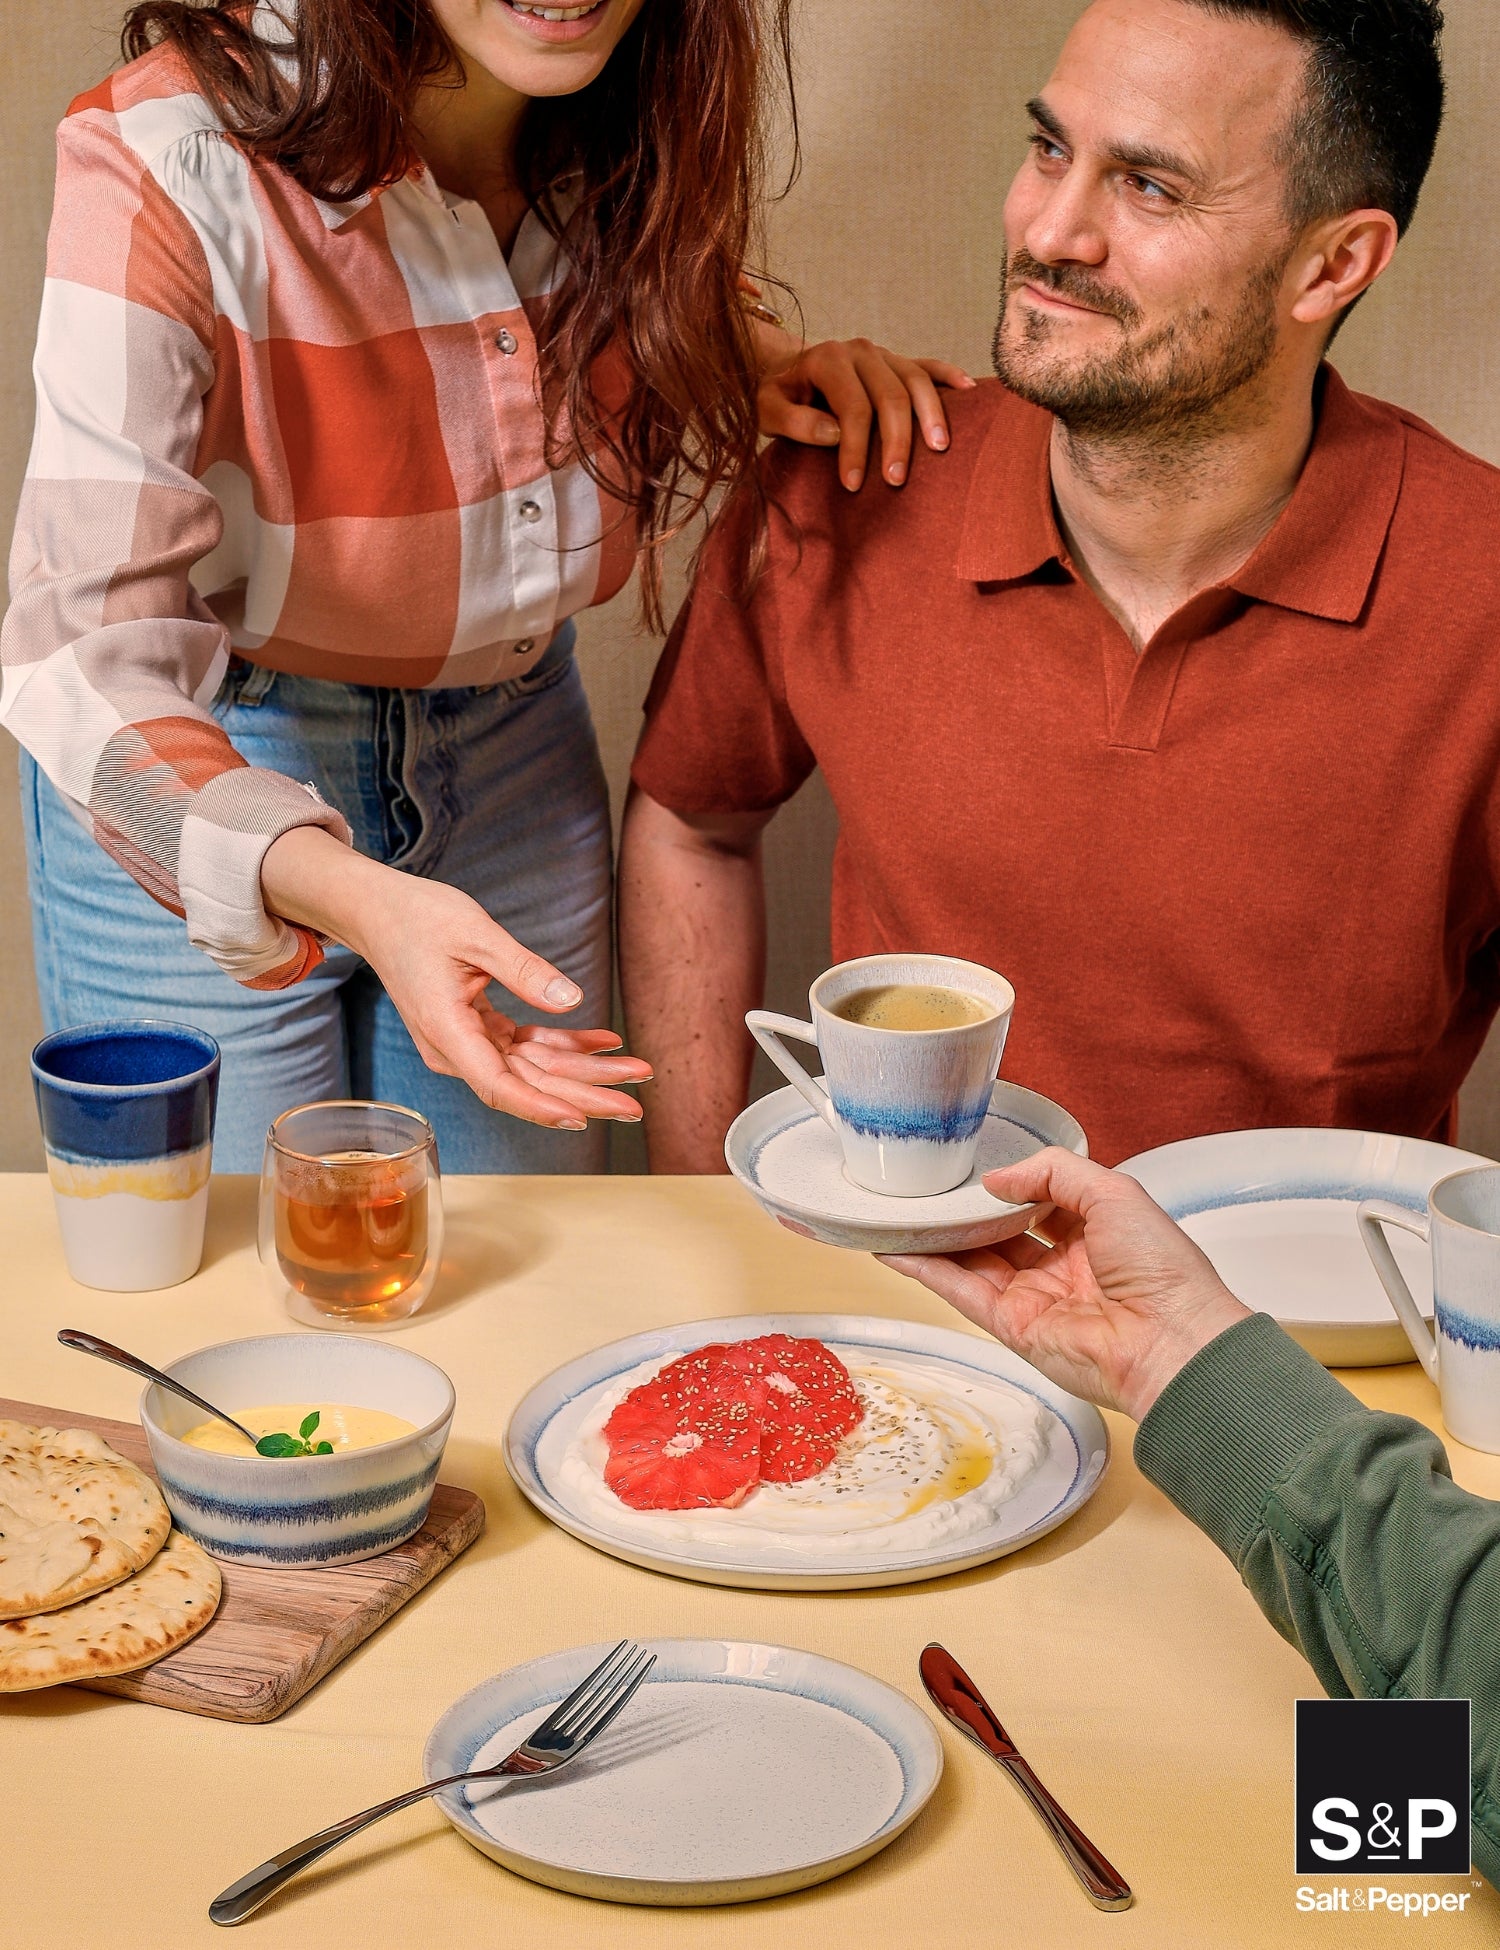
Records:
x=1169, y=384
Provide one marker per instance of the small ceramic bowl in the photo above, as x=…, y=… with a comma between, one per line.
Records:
x=291, y=1511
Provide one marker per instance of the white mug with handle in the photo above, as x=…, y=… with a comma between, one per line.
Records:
x=907, y=1104
x=1462, y=1228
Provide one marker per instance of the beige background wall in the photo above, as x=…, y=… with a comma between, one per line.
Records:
x=911, y=128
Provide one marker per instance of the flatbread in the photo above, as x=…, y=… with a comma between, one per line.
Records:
x=75, y=1518
x=132, y=1624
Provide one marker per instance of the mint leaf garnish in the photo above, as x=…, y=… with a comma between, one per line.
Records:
x=281, y=1444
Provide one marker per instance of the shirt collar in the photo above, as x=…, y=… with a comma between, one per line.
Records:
x=1319, y=558
x=1010, y=530
x=1321, y=555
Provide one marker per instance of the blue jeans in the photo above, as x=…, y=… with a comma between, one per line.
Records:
x=497, y=790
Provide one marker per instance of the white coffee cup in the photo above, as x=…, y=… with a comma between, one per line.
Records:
x=1462, y=1226
x=907, y=1104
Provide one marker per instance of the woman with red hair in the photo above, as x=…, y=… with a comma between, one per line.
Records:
x=379, y=338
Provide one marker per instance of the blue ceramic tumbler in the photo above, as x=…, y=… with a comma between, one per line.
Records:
x=127, y=1112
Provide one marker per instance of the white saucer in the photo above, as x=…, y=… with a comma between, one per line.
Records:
x=1275, y=1212
x=789, y=1159
x=546, y=1419
x=737, y=1771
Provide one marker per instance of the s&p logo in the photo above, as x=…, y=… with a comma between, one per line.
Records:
x=1383, y=1784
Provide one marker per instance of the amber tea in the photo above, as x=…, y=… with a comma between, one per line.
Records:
x=353, y=1244
x=351, y=1213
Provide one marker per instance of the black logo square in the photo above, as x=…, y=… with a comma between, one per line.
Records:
x=1383, y=1785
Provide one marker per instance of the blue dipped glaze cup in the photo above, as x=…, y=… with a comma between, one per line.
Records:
x=907, y=1105
x=1460, y=1347
x=127, y=1115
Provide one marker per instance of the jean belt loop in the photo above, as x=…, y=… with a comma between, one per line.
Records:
x=256, y=684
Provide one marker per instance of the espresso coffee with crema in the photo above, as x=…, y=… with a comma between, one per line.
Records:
x=905, y=1005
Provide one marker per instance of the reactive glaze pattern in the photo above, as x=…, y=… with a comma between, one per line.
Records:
x=791, y=1162
x=290, y=1510
x=1465, y=1232
x=1479, y=1336
x=1275, y=1211
x=127, y=1115
x=833, y=1763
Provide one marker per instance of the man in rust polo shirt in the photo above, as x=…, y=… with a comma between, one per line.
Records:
x=1173, y=689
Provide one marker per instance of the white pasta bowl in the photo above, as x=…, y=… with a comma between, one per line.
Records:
x=297, y=1512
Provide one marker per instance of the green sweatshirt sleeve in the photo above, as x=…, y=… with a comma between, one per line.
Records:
x=1348, y=1529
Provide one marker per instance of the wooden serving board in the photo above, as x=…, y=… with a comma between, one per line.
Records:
x=276, y=1632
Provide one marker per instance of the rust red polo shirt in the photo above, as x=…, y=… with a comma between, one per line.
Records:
x=1246, y=876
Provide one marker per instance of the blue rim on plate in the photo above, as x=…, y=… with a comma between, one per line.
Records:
x=790, y=1162
x=474, y=1719
x=1275, y=1211
x=1082, y=1424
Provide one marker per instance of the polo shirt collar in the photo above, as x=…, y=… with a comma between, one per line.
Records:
x=1319, y=558
x=1010, y=530
x=1322, y=553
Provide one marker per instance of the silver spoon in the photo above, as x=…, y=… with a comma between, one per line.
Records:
x=74, y=1337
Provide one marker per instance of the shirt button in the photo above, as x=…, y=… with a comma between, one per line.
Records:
x=525, y=647
x=530, y=511
x=506, y=342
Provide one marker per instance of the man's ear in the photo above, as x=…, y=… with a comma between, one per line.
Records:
x=1340, y=261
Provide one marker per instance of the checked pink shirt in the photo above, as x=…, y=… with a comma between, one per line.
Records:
x=307, y=432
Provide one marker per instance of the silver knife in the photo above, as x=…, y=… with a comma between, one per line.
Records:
x=960, y=1700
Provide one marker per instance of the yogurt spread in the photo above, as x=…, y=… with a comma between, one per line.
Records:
x=938, y=1452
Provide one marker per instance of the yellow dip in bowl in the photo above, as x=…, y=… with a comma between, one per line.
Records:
x=345, y=1427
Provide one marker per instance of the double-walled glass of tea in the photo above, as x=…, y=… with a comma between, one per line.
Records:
x=351, y=1213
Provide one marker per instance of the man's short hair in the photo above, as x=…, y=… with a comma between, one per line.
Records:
x=1364, y=136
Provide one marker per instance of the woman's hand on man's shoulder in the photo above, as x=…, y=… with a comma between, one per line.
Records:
x=838, y=391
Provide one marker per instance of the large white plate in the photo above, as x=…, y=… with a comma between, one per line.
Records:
x=1274, y=1211
x=789, y=1160
x=737, y=1771
x=539, y=1430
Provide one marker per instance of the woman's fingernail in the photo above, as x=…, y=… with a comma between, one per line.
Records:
x=566, y=995
x=853, y=478
x=937, y=438
x=895, y=473
x=826, y=433
x=573, y=1125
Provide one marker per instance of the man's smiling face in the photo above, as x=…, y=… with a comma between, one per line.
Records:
x=1146, y=232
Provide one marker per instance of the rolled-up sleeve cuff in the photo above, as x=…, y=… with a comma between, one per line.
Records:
x=1233, y=1423
x=233, y=819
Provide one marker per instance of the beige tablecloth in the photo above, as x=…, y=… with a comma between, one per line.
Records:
x=1122, y=1651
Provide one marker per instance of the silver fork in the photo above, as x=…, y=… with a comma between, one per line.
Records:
x=561, y=1737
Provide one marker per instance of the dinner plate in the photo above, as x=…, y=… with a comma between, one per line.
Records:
x=788, y=1158
x=737, y=1771
x=1275, y=1212
x=1074, y=1451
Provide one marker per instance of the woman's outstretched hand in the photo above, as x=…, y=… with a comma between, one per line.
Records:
x=863, y=385
x=1114, y=1309
x=436, y=951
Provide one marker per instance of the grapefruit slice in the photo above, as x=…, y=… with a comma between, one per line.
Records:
x=690, y=1438
x=810, y=1405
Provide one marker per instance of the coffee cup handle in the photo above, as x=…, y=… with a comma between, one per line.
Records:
x=1374, y=1215
x=768, y=1029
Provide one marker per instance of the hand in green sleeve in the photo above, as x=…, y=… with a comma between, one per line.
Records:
x=1345, y=1524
